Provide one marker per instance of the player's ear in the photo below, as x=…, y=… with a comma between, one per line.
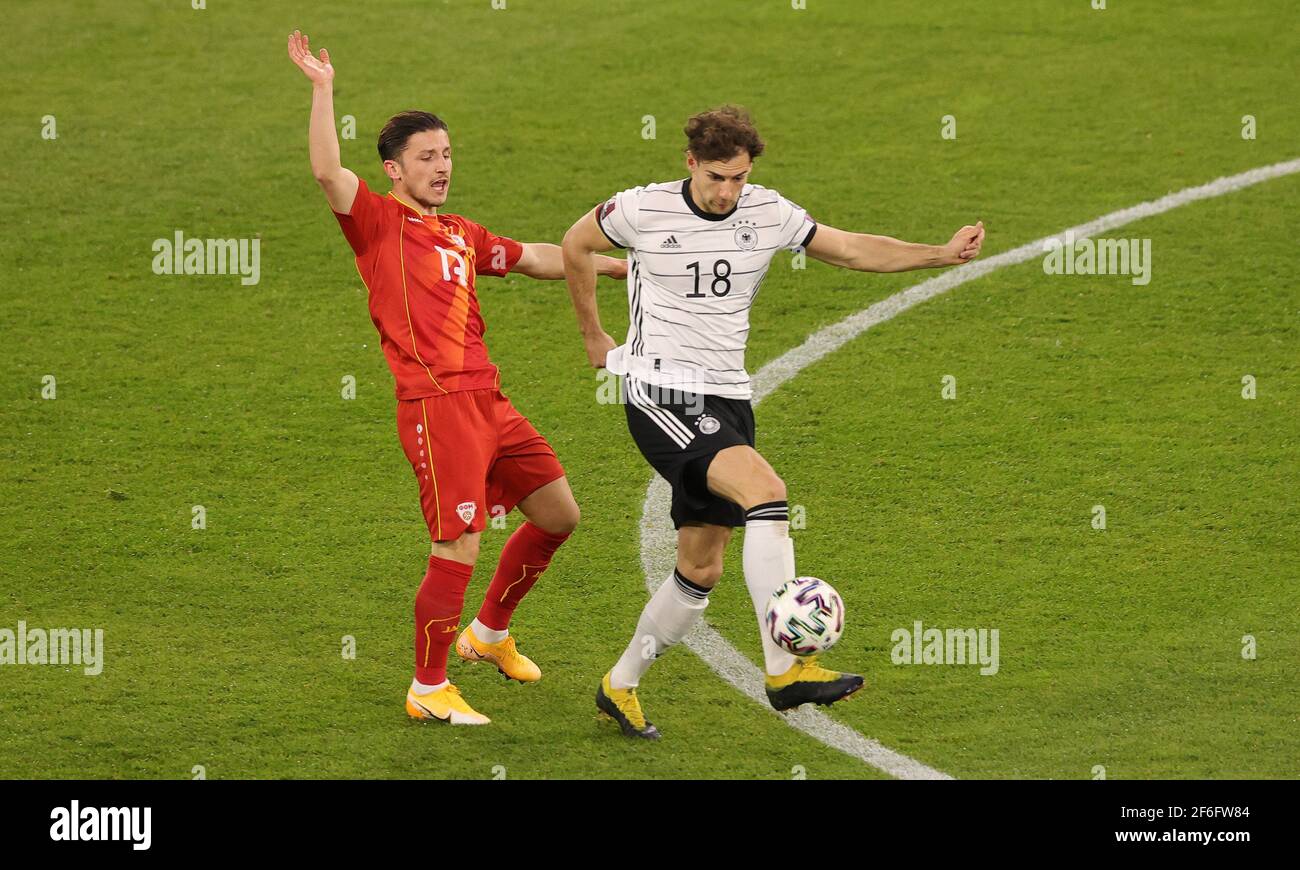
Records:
x=393, y=169
x=690, y=161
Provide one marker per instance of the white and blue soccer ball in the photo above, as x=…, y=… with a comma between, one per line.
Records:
x=805, y=616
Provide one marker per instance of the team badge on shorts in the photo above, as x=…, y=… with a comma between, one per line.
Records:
x=708, y=425
x=466, y=510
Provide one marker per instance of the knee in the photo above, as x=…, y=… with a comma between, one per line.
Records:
x=569, y=521
x=701, y=573
x=767, y=487
x=462, y=549
x=563, y=521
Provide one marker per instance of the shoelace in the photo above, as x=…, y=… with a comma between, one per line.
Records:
x=452, y=690
x=631, y=708
x=459, y=700
x=817, y=671
x=510, y=651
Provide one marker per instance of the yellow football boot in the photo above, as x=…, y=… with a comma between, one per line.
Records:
x=512, y=664
x=444, y=704
x=808, y=682
x=622, y=706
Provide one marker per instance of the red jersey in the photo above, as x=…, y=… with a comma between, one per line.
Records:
x=420, y=272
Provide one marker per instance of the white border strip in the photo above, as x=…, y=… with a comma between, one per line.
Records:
x=659, y=541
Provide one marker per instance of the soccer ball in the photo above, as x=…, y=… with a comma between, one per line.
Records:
x=805, y=616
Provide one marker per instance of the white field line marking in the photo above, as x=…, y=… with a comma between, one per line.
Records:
x=659, y=541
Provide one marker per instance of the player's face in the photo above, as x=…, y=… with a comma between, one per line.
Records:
x=424, y=168
x=716, y=184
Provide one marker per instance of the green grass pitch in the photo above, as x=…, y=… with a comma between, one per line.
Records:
x=1119, y=647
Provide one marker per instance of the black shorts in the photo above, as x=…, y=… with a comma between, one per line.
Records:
x=679, y=434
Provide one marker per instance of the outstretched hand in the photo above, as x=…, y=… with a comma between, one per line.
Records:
x=320, y=72
x=965, y=244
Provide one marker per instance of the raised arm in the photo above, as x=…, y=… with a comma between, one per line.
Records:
x=546, y=262
x=581, y=244
x=339, y=184
x=868, y=253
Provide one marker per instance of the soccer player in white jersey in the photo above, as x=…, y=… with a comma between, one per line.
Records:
x=698, y=249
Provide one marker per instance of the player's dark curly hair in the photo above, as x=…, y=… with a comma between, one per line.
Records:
x=402, y=126
x=721, y=133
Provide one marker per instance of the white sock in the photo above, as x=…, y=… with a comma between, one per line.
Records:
x=488, y=635
x=420, y=688
x=671, y=612
x=768, y=558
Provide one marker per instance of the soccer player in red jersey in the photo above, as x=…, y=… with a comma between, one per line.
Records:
x=471, y=451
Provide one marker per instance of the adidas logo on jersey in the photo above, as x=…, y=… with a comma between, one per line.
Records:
x=670, y=242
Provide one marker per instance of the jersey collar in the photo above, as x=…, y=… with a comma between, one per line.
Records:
x=421, y=215
x=701, y=213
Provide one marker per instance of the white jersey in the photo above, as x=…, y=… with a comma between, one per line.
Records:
x=692, y=278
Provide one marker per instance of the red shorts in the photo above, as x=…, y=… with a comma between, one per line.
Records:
x=474, y=455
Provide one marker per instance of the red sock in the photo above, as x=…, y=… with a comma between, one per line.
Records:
x=523, y=559
x=437, y=611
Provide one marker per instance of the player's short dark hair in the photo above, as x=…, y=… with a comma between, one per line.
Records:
x=721, y=133
x=402, y=126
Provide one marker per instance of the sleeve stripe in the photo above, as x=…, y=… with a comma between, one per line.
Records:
x=808, y=239
x=600, y=223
